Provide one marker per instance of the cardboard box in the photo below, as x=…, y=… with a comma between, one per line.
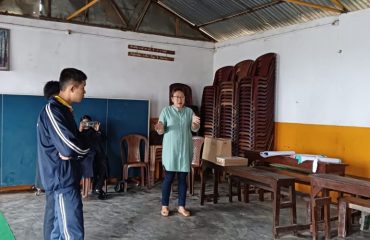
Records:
x=216, y=147
x=232, y=161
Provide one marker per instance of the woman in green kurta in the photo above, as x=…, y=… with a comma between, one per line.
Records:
x=176, y=123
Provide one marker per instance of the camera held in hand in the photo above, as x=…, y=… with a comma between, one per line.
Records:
x=90, y=124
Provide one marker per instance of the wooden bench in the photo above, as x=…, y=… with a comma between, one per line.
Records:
x=300, y=171
x=264, y=179
x=344, y=212
x=323, y=183
x=273, y=183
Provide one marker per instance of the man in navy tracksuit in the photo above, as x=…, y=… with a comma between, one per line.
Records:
x=59, y=150
x=51, y=89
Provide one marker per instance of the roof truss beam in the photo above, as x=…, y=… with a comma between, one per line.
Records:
x=317, y=6
x=120, y=15
x=184, y=19
x=340, y=5
x=81, y=10
x=142, y=14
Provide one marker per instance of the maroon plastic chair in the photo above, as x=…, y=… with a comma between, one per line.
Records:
x=131, y=157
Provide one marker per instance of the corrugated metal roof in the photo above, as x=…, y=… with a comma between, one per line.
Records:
x=214, y=17
x=220, y=19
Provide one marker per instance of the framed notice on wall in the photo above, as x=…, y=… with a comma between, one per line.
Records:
x=4, y=49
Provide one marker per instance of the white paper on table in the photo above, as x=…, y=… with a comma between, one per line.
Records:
x=329, y=160
x=306, y=157
x=315, y=160
x=266, y=154
x=314, y=165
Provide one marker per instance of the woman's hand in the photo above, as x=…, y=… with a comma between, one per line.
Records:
x=159, y=127
x=195, y=122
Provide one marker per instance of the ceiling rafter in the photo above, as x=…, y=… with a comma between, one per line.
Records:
x=120, y=15
x=340, y=5
x=143, y=13
x=317, y=6
x=81, y=10
x=184, y=19
x=249, y=10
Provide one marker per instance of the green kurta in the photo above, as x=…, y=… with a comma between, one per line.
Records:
x=177, y=150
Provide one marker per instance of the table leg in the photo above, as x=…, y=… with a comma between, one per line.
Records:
x=230, y=189
x=314, y=191
x=294, y=206
x=342, y=218
x=203, y=185
x=327, y=216
x=215, y=184
x=276, y=210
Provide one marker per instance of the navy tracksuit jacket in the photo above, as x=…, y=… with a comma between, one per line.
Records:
x=57, y=133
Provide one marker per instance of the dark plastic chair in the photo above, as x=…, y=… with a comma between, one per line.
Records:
x=196, y=162
x=132, y=158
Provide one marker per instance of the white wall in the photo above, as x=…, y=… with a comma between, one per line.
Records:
x=323, y=69
x=39, y=50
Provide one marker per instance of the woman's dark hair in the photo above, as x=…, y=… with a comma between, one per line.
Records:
x=51, y=89
x=85, y=117
x=71, y=75
x=176, y=90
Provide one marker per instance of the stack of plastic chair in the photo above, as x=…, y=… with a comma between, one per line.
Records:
x=222, y=74
x=263, y=96
x=240, y=105
x=210, y=103
x=209, y=115
x=245, y=105
x=228, y=112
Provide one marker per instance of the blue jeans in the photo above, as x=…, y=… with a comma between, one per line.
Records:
x=166, y=187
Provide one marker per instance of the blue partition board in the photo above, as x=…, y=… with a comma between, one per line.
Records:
x=18, y=152
x=18, y=131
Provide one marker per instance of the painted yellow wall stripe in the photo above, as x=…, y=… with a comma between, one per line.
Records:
x=351, y=144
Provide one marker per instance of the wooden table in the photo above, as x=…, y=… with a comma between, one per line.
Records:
x=218, y=169
x=329, y=182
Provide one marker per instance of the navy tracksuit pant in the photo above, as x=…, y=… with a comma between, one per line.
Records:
x=69, y=222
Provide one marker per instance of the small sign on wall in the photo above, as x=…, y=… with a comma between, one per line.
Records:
x=4, y=49
x=142, y=52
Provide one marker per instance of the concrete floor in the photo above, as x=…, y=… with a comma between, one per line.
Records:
x=136, y=215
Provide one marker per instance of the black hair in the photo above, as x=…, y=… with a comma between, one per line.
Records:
x=51, y=89
x=85, y=117
x=71, y=75
x=177, y=90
